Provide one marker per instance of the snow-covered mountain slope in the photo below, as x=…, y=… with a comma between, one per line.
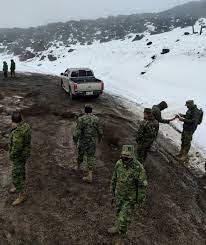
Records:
x=175, y=77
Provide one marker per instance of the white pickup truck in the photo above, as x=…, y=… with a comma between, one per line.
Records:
x=81, y=82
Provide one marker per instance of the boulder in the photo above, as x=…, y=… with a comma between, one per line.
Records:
x=149, y=43
x=51, y=57
x=153, y=57
x=137, y=38
x=165, y=51
x=26, y=56
x=71, y=50
x=43, y=57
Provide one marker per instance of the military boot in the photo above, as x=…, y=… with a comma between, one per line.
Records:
x=113, y=230
x=12, y=190
x=184, y=157
x=180, y=153
x=22, y=197
x=119, y=242
x=88, y=178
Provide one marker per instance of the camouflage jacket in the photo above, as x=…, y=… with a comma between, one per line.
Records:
x=20, y=142
x=191, y=119
x=129, y=183
x=147, y=131
x=87, y=129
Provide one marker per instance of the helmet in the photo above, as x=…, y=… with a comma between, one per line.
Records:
x=128, y=151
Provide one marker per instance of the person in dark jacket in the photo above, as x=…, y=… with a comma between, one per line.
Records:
x=157, y=112
x=190, y=122
x=5, y=70
x=13, y=68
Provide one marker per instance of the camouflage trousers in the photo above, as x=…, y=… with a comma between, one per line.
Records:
x=18, y=174
x=142, y=151
x=124, y=213
x=86, y=152
x=187, y=136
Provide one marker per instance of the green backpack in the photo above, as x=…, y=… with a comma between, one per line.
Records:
x=201, y=114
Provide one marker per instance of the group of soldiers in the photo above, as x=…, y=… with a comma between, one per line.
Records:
x=129, y=180
x=12, y=69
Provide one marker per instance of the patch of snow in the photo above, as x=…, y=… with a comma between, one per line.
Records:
x=175, y=77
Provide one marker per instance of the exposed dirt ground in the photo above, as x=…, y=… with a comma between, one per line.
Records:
x=61, y=209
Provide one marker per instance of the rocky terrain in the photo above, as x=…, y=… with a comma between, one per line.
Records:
x=61, y=209
x=28, y=43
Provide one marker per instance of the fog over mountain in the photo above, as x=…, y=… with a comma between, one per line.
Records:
x=27, y=13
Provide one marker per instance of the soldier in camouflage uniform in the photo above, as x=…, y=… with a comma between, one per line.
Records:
x=85, y=135
x=129, y=184
x=13, y=68
x=19, y=152
x=190, y=122
x=5, y=70
x=146, y=134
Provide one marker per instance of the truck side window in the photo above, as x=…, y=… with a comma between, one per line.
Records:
x=90, y=74
x=74, y=74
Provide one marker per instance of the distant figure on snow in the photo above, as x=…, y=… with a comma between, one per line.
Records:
x=5, y=70
x=13, y=68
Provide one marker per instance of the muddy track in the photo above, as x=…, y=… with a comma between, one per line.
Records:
x=61, y=209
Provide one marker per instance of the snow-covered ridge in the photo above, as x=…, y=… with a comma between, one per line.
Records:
x=175, y=76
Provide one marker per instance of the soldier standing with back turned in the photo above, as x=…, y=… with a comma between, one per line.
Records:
x=87, y=131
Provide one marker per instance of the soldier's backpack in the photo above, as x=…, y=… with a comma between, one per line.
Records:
x=201, y=114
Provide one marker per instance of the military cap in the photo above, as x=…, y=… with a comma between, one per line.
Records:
x=189, y=102
x=127, y=150
x=148, y=110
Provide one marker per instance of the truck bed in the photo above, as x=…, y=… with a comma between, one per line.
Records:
x=80, y=80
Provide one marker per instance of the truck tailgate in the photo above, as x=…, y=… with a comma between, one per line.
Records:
x=87, y=87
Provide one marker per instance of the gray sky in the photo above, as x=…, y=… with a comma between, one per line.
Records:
x=25, y=13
